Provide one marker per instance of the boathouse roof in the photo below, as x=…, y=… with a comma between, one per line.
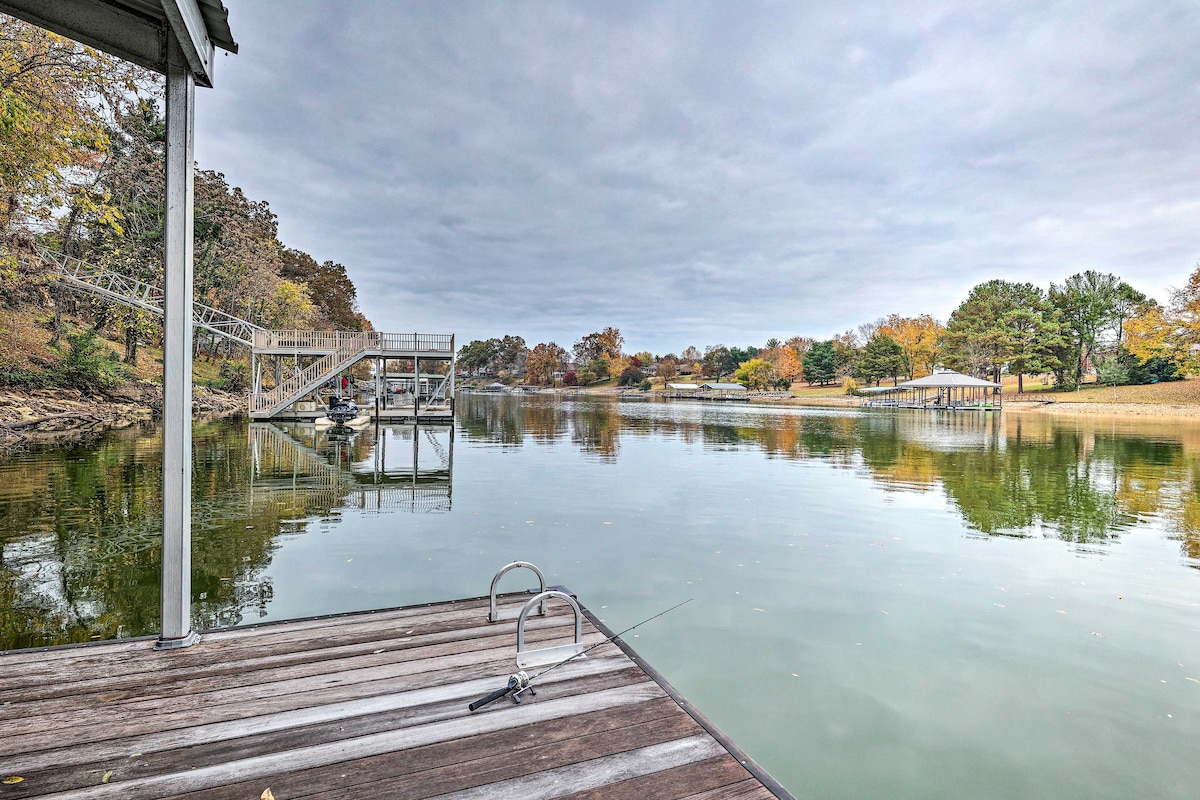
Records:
x=682, y=387
x=946, y=380
x=723, y=387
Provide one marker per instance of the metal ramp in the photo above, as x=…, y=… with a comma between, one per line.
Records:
x=331, y=352
x=114, y=286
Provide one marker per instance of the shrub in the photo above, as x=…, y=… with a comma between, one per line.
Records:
x=89, y=365
x=645, y=385
x=850, y=386
x=631, y=376
x=235, y=376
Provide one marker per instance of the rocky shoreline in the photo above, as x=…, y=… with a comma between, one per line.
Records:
x=65, y=415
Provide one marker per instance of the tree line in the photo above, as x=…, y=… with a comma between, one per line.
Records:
x=1091, y=323
x=82, y=154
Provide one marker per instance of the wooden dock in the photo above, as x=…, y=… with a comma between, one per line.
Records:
x=369, y=705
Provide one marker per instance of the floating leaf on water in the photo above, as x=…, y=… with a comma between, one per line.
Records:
x=1193, y=680
x=107, y=775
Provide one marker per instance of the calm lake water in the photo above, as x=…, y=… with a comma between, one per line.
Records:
x=886, y=605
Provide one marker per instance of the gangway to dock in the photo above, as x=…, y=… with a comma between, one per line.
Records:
x=316, y=357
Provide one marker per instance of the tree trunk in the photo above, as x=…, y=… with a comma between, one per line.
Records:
x=57, y=325
x=1020, y=382
x=131, y=338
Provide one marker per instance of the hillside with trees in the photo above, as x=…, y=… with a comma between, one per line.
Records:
x=82, y=141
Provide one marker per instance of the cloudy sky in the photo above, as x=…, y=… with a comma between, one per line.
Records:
x=721, y=172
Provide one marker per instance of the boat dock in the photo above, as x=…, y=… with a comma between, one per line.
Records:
x=362, y=705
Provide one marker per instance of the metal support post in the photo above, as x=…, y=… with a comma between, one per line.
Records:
x=453, y=373
x=176, y=586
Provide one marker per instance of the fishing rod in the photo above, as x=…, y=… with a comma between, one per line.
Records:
x=520, y=682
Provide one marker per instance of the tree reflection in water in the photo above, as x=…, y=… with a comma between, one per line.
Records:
x=1083, y=480
x=80, y=527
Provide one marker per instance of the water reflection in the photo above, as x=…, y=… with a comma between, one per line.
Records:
x=1082, y=480
x=80, y=527
x=389, y=468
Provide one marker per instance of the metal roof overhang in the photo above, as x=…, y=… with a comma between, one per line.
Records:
x=136, y=30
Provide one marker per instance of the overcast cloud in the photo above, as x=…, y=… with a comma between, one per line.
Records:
x=702, y=173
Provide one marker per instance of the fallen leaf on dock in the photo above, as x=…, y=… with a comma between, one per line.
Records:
x=9, y=781
x=136, y=755
x=107, y=775
x=266, y=795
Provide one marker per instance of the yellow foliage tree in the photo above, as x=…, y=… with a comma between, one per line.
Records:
x=53, y=96
x=918, y=340
x=1171, y=333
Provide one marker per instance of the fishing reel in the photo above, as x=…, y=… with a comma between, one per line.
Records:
x=518, y=684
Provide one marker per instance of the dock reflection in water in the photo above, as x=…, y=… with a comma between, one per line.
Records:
x=405, y=468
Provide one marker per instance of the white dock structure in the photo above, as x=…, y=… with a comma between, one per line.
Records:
x=301, y=362
x=317, y=357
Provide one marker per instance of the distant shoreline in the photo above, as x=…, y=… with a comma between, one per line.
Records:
x=1054, y=407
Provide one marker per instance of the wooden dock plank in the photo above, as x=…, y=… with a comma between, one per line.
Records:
x=223, y=647
x=358, y=707
x=154, y=762
x=709, y=775
x=271, y=669
x=598, y=772
x=486, y=758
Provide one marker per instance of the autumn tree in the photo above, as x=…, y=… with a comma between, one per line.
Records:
x=667, y=368
x=56, y=99
x=719, y=360
x=1169, y=334
x=543, y=361
x=917, y=338
x=757, y=373
x=330, y=289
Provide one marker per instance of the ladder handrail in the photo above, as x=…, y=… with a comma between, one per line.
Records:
x=307, y=379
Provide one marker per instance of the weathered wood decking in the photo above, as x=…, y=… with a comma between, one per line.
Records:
x=370, y=705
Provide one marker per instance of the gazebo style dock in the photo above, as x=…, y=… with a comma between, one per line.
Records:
x=942, y=391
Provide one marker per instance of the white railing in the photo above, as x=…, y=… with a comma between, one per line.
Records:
x=327, y=341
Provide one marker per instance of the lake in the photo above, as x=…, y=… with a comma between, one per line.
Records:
x=885, y=604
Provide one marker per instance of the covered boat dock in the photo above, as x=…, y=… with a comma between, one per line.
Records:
x=942, y=391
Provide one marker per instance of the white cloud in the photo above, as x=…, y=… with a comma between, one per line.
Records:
x=726, y=172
